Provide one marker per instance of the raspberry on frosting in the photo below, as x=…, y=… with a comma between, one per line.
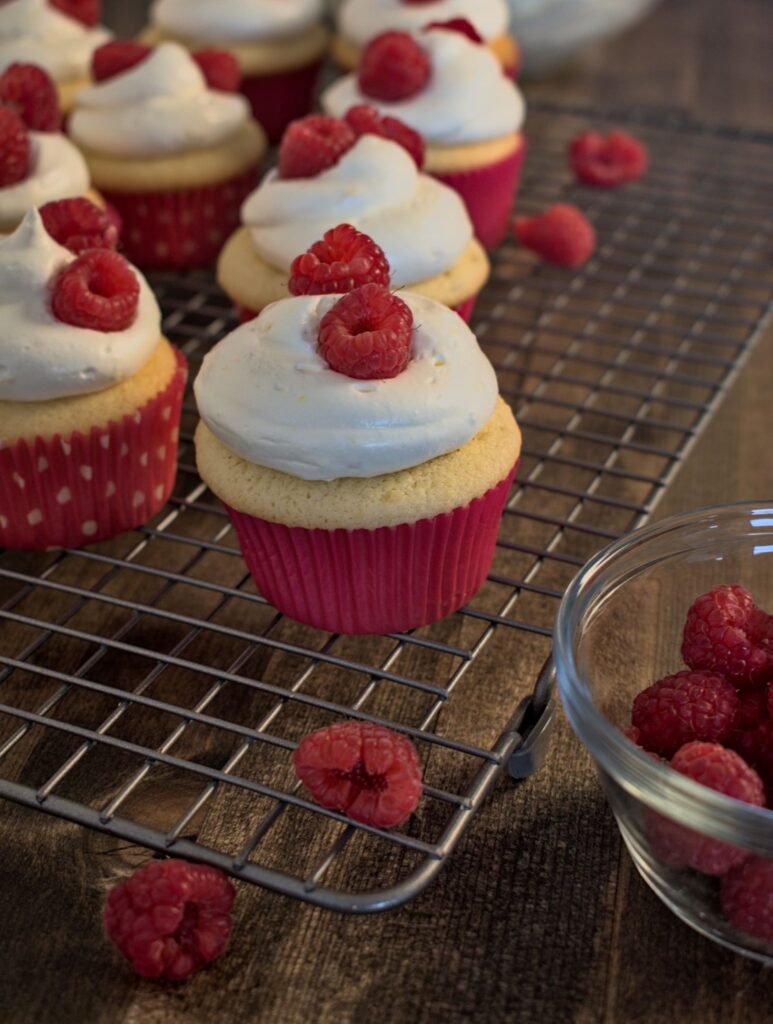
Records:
x=117, y=56
x=342, y=260
x=79, y=224
x=366, y=120
x=461, y=25
x=99, y=291
x=31, y=92
x=367, y=334
x=393, y=67
x=313, y=144
x=15, y=149
x=220, y=68
x=87, y=12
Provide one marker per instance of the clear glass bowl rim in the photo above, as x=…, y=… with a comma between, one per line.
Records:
x=635, y=771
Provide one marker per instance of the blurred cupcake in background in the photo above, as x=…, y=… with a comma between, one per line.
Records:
x=279, y=47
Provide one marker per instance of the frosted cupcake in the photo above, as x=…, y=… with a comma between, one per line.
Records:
x=90, y=394
x=279, y=47
x=363, y=454
x=359, y=21
x=328, y=175
x=52, y=36
x=451, y=90
x=173, y=155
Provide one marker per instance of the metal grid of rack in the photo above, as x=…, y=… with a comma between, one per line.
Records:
x=148, y=691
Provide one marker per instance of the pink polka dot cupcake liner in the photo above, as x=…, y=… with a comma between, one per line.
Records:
x=278, y=99
x=75, y=490
x=375, y=581
x=182, y=229
x=465, y=310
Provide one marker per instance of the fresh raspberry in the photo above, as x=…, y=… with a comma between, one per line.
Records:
x=726, y=633
x=170, y=918
x=724, y=771
x=684, y=707
x=117, y=56
x=366, y=120
x=367, y=334
x=98, y=290
x=633, y=734
x=370, y=773
x=752, y=707
x=79, y=224
x=343, y=260
x=607, y=161
x=30, y=91
x=393, y=67
x=87, y=12
x=461, y=25
x=312, y=144
x=562, y=235
x=755, y=745
x=15, y=150
x=747, y=897
x=220, y=68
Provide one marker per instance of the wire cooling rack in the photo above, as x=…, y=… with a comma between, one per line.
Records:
x=148, y=691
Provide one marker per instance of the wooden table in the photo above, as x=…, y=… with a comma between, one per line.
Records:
x=540, y=916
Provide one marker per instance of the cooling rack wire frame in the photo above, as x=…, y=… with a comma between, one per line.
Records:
x=147, y=690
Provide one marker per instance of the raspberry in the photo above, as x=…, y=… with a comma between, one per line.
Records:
x=15, y=151
x=752, y=707
x=366, y=120
x=755, y=745
x=607, y=161
x=343, y=260
x=724, y=632
x=30, y=91
x=117, y=56
x=367, y=334
x=724, y=771
x=747, y=897
x=562, y=235
x=87, y=12
x=171, y=918
x=462, y=25
x=78, y=224
x=683, y=707
x=220, y=68
x=312, y=144
x=368, y=772
x=98, y=290
x=393, y=67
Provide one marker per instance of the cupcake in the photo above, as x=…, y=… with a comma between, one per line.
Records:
x=451, y=90
x=59, y=36
x=90, y=392
x=327, y=175
x=364, y=456
x=279, y=47
x=359, y=21
x=174, y=155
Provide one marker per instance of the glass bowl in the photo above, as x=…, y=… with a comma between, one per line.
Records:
x=618, y=630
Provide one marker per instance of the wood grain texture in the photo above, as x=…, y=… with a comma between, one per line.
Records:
x=539, y=916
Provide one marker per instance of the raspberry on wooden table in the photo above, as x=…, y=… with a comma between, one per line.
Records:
x=312, y=144
x=170, y=918
x=366, y=120
x=393, y=67
x=726, y=633
x=367, y=334
x=15, y=150
x=747, y=897
x=98, y=290
x=220, y=68
x=562, y=235
x=79, y=224
x=683, y=707
x=461, y=25
x=607, y=160
x=87, y=12
x=32, y=93
x=117, y=56
x=344, y=259
x=370, y=773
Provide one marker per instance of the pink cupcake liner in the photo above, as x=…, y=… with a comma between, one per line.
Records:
x=488, y=193
x=465, y=310
x=278, y=99
x=374, y=581
x=181, y=229
x=67, y=492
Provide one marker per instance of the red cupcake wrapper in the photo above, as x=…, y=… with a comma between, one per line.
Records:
x=488, y=193
x=465, y=310
x=375, y=581
x=180, y=229
x=278, y=99
x=67, y=492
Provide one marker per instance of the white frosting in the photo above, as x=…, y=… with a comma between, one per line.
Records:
x=42, y=358
x=159, y=106
x=268, y=395
x=32, y=32
x=467, y=98
x=361, y=20
x=422, y=226
x=58, y=171
x=235, y=20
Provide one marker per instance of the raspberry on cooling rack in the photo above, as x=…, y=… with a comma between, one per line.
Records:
x=366, y=120
x=98, y=290
x=117, y=56
x=342, y=260
x=607, y=160
x=15, y=149
x=393, y=67
x=747, y=897
x=170, y=918
x=79, y=224
x=30, y=91
x=725, y=632
x=367, y=334
x=683, y=707
x=562, y=235
x=370, y=773
x=220, y=68
x=87, y=12
x=312, y=144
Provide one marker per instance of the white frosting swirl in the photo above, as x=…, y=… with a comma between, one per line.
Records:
x=235, y=20
x=159, y=106
x=268, y=395
x=467, y=98
x=58, y=171
x=32, y=32
x=422, y=225
x=42, y=358
x=361, y=20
